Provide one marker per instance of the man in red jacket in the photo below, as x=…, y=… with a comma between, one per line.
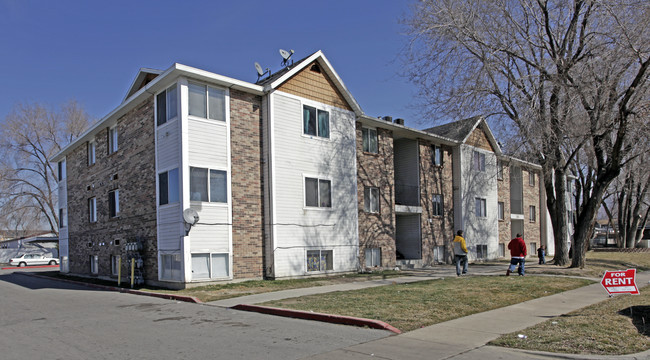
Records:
x=518, y=254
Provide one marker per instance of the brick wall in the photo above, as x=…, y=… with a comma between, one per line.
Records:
x=436, y=230
x=248, y=224
x=377, y=170
x=503, y=186
x=134, y=165
x=532, y=230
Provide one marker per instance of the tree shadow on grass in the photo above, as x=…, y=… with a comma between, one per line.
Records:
x=640, y=316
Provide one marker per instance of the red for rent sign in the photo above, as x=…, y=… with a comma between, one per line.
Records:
x=620, y=282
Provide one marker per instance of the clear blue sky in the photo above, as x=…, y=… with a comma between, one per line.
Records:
x=90, y=51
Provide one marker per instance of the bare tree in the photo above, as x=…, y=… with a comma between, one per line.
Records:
x=569, y=75
x=31, y=135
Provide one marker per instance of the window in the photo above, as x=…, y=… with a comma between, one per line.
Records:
x=94, y=264
x=481, y=251
x=62, y=171
x=371, y=199
x=479, y=161
x=318, y=193
x=92, y=210
x=481, y=210
x=206, y=266
x=531, y=178
x=91, y=152
x=369, y=140
x=166, y=105
x=113, y=203
x=533, y=248
x=208, y=189
x=499, y=170
x=171, y=267
x=316, y=122
x=168, y=187
x=437, y=155
x=502, y=250
x=439, y=254
x=501, y=211
x=437, y=205
x=63, y=218
x=319, y=260
x=531, y=213
x=207, y=102
x=373, y=257
x=115, y=264
x=112, y=140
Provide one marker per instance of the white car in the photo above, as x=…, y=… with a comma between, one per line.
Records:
x=33, y=259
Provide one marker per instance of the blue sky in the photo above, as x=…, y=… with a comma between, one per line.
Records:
x=90, y=51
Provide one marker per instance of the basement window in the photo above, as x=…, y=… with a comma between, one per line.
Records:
x=319, y=260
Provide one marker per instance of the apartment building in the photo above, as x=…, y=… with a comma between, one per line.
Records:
x=287, y=176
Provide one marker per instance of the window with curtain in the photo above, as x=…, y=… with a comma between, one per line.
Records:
x=369, y=140
x=212, y=189
x=206, y=102
x=167, y=105
x=318, y=193
x=316, y=122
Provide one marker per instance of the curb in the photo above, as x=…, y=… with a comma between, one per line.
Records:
x=190, y=299
x=335, y=319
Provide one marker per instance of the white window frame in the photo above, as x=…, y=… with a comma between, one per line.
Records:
x=372, y=257
x=169, y=94
x=318, y=192
x=501, y=210
x=531, y=178
x=63, y=217
x=209, y=190
x=92, y=152
x=115, y=264
x=117, y=203
x=499, y=170
x=92, y=209
x=166, y=190
x=480, y=207
x=113, y=137
x=370, y=199
x=437, y=205
x=366, y=135
x=207, y=89
x=317, y=130
x=532, y=215
x=174, y=274
x=62, y=170
x=329, y=265
x=481, y=251
x=210, y=256
x=437, y=155
x=478, y=161
x=94, y=264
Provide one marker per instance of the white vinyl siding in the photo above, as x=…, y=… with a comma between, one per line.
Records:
x=208, y=143
x=168, y=147
x=297, y=157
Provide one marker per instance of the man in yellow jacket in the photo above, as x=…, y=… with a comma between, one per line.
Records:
x=460, y=253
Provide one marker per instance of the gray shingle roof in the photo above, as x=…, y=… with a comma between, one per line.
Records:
x=279, y=74
x=457, y=130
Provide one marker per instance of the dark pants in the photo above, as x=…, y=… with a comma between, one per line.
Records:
x=517, y=261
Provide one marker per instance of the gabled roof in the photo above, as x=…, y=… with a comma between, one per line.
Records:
x=457, y=130
x=277, y=79
x=144, y=77
x=462, y=129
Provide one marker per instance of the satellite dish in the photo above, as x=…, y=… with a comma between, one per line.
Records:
x=190, y=216
x=286, y=55
x=258, y=67
x=260, y=71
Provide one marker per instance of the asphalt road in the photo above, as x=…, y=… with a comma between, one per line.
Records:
x=48, y=319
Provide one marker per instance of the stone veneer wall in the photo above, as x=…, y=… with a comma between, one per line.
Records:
x=503, y=186
x=532, y=230
x=134, y=165
x=247, y=182
x=436, y=230
x=377, y=170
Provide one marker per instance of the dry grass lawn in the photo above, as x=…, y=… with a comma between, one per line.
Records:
x=411, y=306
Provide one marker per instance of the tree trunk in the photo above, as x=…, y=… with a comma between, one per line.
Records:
x=585, y=226
x=556, y=202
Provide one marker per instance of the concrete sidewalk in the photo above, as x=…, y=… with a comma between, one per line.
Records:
x=462, y=338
